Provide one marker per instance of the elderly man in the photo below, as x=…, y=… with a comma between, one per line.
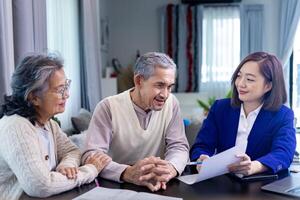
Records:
x=141, y=128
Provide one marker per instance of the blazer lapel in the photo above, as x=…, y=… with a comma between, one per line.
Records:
x=259, y=129
x=235, y=118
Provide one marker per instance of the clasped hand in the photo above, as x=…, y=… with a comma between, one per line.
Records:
x=151, y=172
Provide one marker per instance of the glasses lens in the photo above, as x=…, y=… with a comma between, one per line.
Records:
x=66, y=87
x=68, y=83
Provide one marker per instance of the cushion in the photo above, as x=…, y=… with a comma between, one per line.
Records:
x=82, y=121
x=191, y=131
x=79, y=140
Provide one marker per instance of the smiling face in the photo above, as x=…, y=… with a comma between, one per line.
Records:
x=251, y=84
x=151, y=94
x=53, y=100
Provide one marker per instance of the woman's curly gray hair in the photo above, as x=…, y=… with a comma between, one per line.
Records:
x=30, y=76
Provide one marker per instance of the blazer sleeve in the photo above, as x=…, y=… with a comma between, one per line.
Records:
x=283, y=145
x=205, y=142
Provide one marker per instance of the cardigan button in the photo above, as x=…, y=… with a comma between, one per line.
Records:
x=46, y=157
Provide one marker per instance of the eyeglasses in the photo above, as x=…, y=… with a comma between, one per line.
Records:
x=64, y=88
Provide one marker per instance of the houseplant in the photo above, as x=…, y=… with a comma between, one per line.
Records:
x=211, y=100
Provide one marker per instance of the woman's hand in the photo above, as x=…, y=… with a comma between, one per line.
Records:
x=70, y=172
x=246, y=167
x=201, y=159
x=99, y=160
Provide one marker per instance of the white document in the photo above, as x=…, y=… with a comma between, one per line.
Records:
x=117, y=194
x=215, y=165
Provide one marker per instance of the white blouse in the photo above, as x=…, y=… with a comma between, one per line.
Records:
x=245, y=125
x=47, y=143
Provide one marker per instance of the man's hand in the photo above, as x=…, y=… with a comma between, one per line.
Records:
x=245, y=166
x=99, y=160
x=142, y=173
x=163, y=172
x=70, y=172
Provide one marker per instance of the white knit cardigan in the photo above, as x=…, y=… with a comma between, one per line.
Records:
x=23, y=166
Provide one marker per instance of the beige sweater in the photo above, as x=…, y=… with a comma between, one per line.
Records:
x=130, y=142
x=23, y=166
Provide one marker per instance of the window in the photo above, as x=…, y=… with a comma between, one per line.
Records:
x=296, y=77
x=63, y=36
x=209, y=35
x=221, y=48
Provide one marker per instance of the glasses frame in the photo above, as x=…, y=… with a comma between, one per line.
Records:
x=65, y=88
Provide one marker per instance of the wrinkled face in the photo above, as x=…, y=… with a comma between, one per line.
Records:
x=155, y=90
x=251, y=84
x=53, y=100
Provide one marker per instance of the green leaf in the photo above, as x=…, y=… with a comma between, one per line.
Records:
x=211, y=100
x=229, y=94
x=203, y=105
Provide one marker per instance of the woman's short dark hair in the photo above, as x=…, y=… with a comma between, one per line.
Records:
x=271, y=69
x=30, y=76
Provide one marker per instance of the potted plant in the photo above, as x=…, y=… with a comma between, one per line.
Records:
x=211, y=100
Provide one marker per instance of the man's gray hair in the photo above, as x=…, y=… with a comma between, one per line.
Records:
x=146, y=64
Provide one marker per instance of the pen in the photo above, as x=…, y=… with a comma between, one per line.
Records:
x=194, y=163
x=97, y=183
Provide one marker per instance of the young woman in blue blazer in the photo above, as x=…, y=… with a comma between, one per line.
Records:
x=255, y=114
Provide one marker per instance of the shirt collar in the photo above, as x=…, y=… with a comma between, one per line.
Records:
x=140, y=110
x=137, y=108
x=46, y=127
x=254, y=112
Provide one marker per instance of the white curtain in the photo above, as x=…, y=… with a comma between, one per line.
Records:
x=6, y=47
x=221, y=49
x=252, y=28
x=29, y=28
x=90, y=53
x=289, y=17
x=22, y=31
x=63, y=36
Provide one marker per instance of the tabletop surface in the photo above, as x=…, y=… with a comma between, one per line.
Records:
x=221, y=187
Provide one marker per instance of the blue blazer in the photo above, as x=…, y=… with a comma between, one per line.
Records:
x=271, y=140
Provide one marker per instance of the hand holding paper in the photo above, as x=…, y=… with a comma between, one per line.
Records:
x=246, y=167
x=215, y=165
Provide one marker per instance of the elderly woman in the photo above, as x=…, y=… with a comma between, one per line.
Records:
x=35, y=155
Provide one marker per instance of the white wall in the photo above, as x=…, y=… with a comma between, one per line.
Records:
x=271, y=21
x=104, y=14
x=135, y=24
